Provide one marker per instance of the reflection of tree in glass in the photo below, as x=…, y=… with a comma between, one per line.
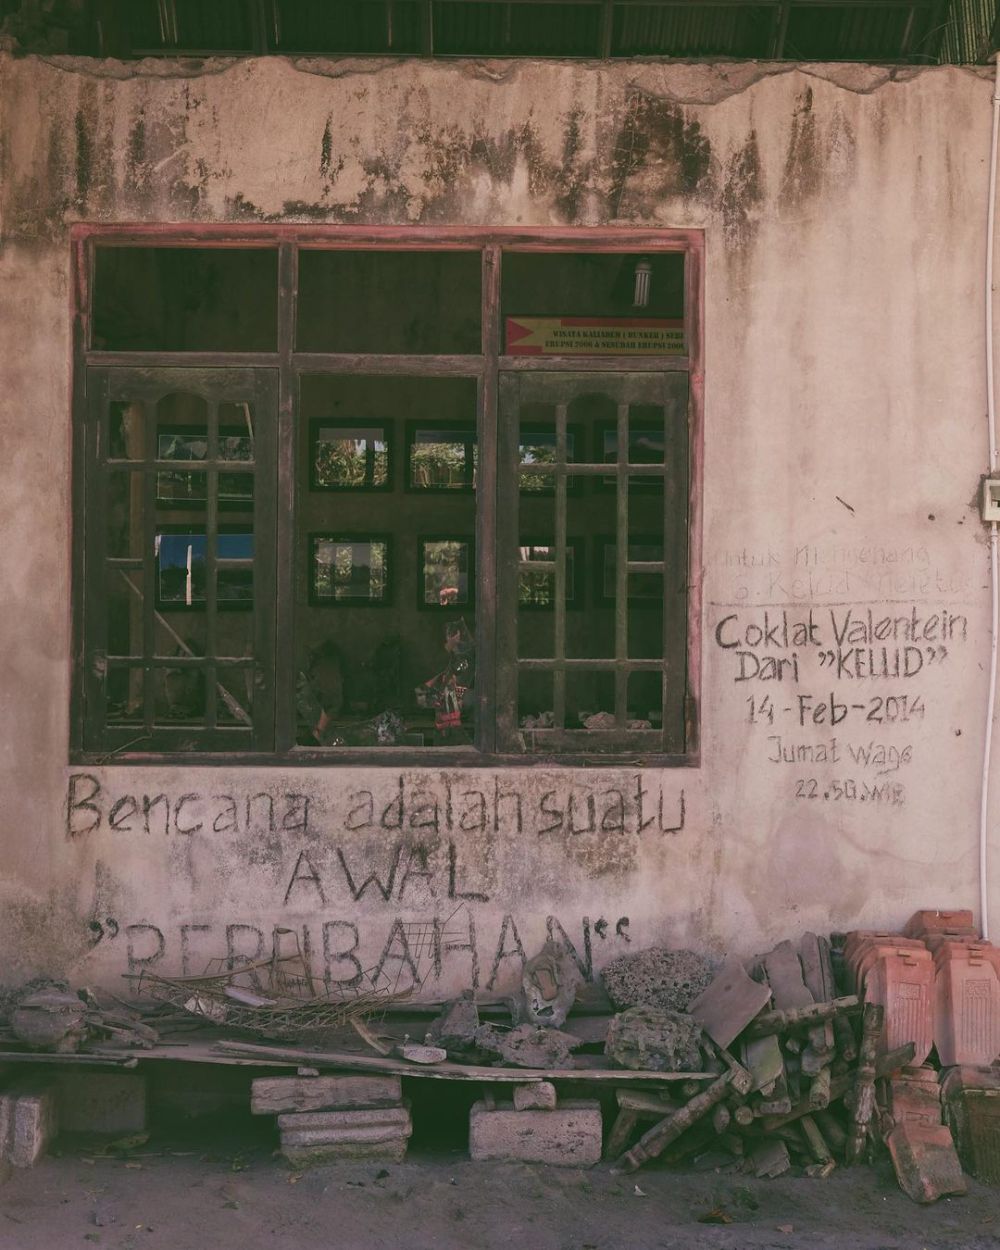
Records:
x=537, y=453
x=536, y=588
x=445, y=573
x=347, y=570
x=345, y=462
x=442, y=464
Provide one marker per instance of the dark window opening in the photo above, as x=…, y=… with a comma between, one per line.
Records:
x=173, y=299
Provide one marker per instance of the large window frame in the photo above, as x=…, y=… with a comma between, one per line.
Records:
x=286, y=364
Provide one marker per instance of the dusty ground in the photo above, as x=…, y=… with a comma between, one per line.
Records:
x=171, y=1194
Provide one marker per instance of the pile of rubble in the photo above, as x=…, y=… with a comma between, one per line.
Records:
x=816, y=1054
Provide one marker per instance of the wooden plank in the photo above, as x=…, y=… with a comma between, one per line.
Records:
x=126, y=1060
x=453, y=1071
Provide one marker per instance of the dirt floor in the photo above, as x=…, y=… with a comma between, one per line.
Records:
x=170, y=1193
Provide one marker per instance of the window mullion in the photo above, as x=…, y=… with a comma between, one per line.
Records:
x=149, y=566
x=621, y=569
x=559, y=607
x=211, y=567
x=487, y=503
x=282, y=551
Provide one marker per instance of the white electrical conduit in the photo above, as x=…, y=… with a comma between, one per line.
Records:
x=995, y=574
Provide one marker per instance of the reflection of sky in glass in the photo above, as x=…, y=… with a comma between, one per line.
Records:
x=172, y=560
x=172, y=549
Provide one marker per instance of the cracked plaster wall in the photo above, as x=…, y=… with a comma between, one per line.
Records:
x=843, y=210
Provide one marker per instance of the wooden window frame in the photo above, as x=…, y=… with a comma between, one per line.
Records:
x=485, y=368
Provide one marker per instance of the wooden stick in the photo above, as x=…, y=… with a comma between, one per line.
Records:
x=818, y=1148
x=800, y=1017
x=621, y=1131
x=451, y=1071
x=843, y=1031
x=832, y=1130
x=840, y=1085
x=864, y=1088
x=661, y=1135
x=721, y=1117
x=819, y=1090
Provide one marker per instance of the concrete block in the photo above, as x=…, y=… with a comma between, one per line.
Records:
x=340, y=1125
x=28, y=1121
x=372, y=1136
x=569, y=1135
x=539, y=1096
x=101, y=1102
x=279, y=1094
x=391, y=1151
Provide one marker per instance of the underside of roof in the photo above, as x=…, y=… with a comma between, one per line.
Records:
x=903, y=31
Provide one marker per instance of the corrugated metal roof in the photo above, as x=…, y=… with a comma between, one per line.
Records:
x=921, y=31
x=970, y=31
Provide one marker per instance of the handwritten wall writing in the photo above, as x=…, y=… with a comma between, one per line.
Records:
x=834, y=650
x=345, y=953
x=438, y=805
x=811, y=573
x=853, y=643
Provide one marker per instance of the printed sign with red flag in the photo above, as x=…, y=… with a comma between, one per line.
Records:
x=595, y=336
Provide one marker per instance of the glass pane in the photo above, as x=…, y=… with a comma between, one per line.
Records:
x=446, y=566
x=593, y=304
x=346, y=455
x=645, y=700
x=124, y=697
x=182, y=437
x=234, y=696
x=180, y=695
x=385, y=574
x=441, y=458
x=126, y=430
x=590, y=701
x=350, y=570
x=125, y=595
x=534, y=701
x=185, y=299
x=412, y=303
x=123, y=518
x=236, y=431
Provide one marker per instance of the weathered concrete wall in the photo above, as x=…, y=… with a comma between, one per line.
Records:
x=844, y=213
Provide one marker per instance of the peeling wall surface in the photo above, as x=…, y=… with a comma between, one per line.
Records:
x=845, y=583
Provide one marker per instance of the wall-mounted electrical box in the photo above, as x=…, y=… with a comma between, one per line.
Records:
x=991, y=499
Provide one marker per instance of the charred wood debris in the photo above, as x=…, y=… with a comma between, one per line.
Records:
x=773, y=1066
